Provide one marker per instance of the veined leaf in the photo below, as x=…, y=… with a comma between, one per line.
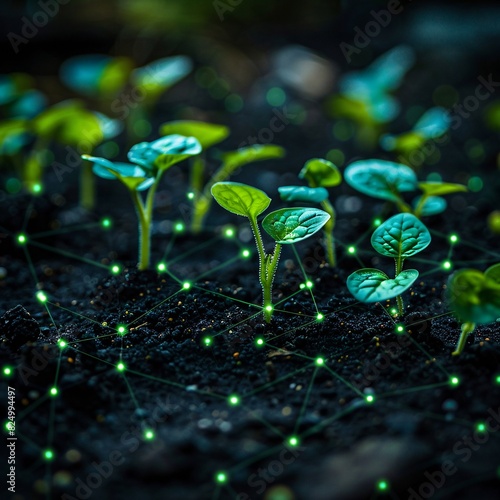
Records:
x=371, y=285
x=240, y=199
x=302, y=193
x=381, y=179
x=208, y=134
x=401, y=236
x=290, y=225
x=441, y=188
x=321, y=173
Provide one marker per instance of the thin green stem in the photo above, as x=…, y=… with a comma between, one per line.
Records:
x=467, y=329
x=87, y=187
x=420, y=206
x=144, y=231
x=399, y=299
x=328, y=232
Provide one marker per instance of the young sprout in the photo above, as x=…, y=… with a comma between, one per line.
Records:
x=399, y=237
x=208, y=135
x=431, y=125
x=389, y=181
x=150, y=161
x=474, y=298
x=319, y=174
x=285, y=226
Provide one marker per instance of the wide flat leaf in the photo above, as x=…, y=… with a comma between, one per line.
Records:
x=441, y=188
x=380, y=179
x=208, y=134
x=432, y=205
x=236, y=159
x=371, y=285
x=290, y=225
x=401, y=236
x=321, y=173
x=433, y=123
x=493, y=273
x=302, y=193
x=240, y=199
x=474, y=297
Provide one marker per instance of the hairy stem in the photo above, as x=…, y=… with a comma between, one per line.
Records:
x=399, y=299
x=328, y=232
x=467, y=329
x=144, y=231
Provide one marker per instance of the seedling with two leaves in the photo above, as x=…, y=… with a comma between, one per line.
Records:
x=399, y=237
x=150, y=160
x=389, y=181
x=474, y=298
x=319, y=174
x=208, y=135
x=286, y=226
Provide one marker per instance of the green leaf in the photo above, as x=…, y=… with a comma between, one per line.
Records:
x=164, y=152
x=208, y=134
x=236, y=159
x=474, y=297
x=381, y=179
x=13, y=135
x=240, y=199
x=493, y=273
x=290, y=225
x=441, y=188
x=432, y=205
x=302, y=193
x=401, y=236
x=133, y=176
x=371, y=285
x=320, y=172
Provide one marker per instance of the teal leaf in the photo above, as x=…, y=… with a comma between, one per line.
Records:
x=162, y=73
x=381, y=179
x=432, y=205
x=401, y=236
x=371, y=285
x=433, y=123
x=290, y=225
x=302, y=193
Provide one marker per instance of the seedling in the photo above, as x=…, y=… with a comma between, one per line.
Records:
x=431, y=125
x=474, y=297
x=389, y=181
x=210, y=134
x=319, y=174
x=285, y=226
x=399, y=237
x=150, y=161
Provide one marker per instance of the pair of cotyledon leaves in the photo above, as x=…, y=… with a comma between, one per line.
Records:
x=285, y=226
x=399, y=237
x=149, y=159
x=319, y=174
x=475, y=296
x=387, y=180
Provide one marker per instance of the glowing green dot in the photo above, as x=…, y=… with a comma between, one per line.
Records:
x=7, y=371
x=21, y=239
x=149, y=434
x=121, y=366
x=106, y=223
x=400, y=328
x=382, y=485
x=302, y=286
x=234, y=400
x=221, y=477
x=447, y=265
x=53, y=391
x=455, y=381
x=351, y=250
x=186, y=285
x=9, y=426
x=190, y=195
x=40, y=295
x=497, y=379
x=245, y=253
x=453, y=238
x=179, y=227
x=276, y=96
x=207, y=341
x=121, y=330
x=394, y=311
x=481, y=427
x=309, y=284
x=62, y=343
x=229, y=232
x=268, y=308
x=377, y=222
x=319, y=317
x=319, y=361
x=475, y=184
x=115, y=269
x=370, y=398
x=293, y=441
x=37, y=188
x=162, y=267
x=259, y=342
x=48, y=454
